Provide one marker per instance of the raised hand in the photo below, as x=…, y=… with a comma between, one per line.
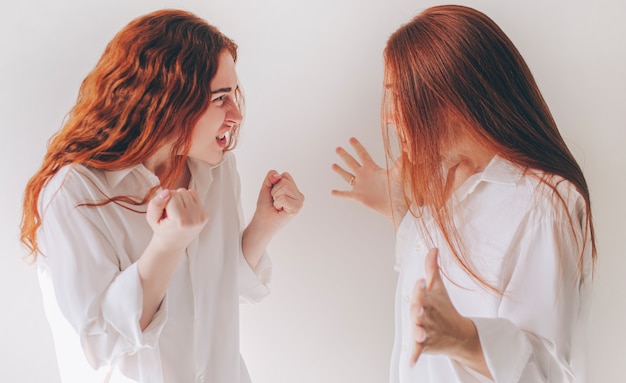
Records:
x=279, y=201
x=438, y=328
x=176, y=218
x=375, y=187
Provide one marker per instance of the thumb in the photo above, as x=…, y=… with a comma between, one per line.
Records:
x=432, y=267
x=270, y=180
x=156, y=207
x=417, y=352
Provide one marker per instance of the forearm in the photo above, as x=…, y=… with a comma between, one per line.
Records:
x=156, y=269
x=254, y=241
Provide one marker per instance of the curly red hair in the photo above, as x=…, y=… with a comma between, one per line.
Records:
x=148, y=90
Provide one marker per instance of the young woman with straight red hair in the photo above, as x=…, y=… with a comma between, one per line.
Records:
x=134, y=218
x=495, y=242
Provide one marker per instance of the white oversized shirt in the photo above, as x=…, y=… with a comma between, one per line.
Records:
x=92, y=292
x=518, y=236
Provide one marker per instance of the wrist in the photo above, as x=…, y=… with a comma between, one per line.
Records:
x=162, y=248
x=469, y=351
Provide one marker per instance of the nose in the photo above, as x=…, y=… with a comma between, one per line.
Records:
x=234, y=114
x=389, y=113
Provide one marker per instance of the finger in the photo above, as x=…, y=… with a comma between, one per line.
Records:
x=362, y=152
x=156, y=207
x=288, y=190
x=432, y=267
x=418, y=302
x=185, y=197
x=193, y=193
x=271, y=178
x=284, y=187
x=175, y=206
x=348, y=194
x=347, y=176
x=287, y=204
x=419, y=334
x=417, y=351
x=347, y=158
x=419, y=289
x=287, y=176
x=417, y=312
x=278, y=189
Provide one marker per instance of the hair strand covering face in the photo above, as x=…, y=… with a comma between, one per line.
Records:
x=147, y=92
x=453, y=65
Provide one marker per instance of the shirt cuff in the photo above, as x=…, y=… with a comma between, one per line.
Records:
x=122, y=307
x=505, y=347
x=253, y=283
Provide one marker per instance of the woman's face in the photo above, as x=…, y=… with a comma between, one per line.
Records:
x=211, y=133
x=391, y=121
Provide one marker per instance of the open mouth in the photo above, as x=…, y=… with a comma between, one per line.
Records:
x=223, y=138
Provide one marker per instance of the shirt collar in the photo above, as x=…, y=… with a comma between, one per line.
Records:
x=114, y=177
x=502, y=171
x=498, y=170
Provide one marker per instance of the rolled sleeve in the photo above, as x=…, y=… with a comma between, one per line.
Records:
x=253, y=283
x=500, y=338
x=101, y=302
x=532, y=338
x=123, y=314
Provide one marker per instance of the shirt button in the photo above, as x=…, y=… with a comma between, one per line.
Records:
x=418, y=247
x=200, y=378
x=406, y=299
x=403, y=347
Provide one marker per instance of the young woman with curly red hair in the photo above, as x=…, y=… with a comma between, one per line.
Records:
x=134, y=218
x=495, y=242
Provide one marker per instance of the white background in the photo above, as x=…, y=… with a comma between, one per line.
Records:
x=312, y=72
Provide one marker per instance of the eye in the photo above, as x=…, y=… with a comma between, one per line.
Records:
x=220, y=100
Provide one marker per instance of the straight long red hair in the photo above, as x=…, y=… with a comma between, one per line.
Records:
x=148, y=90
x=453, y=64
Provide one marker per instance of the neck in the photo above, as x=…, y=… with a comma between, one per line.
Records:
x=157, y=164
x=463, y=162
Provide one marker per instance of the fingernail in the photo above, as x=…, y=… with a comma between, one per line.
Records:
x=163, y=193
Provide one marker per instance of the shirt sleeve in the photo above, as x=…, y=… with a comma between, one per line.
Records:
x=100, y=301
x=533, y=337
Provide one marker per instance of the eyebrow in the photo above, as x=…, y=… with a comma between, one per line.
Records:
x=223, y=90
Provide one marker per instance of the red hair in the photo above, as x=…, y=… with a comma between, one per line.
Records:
x=453, y=64
x=148, y=90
